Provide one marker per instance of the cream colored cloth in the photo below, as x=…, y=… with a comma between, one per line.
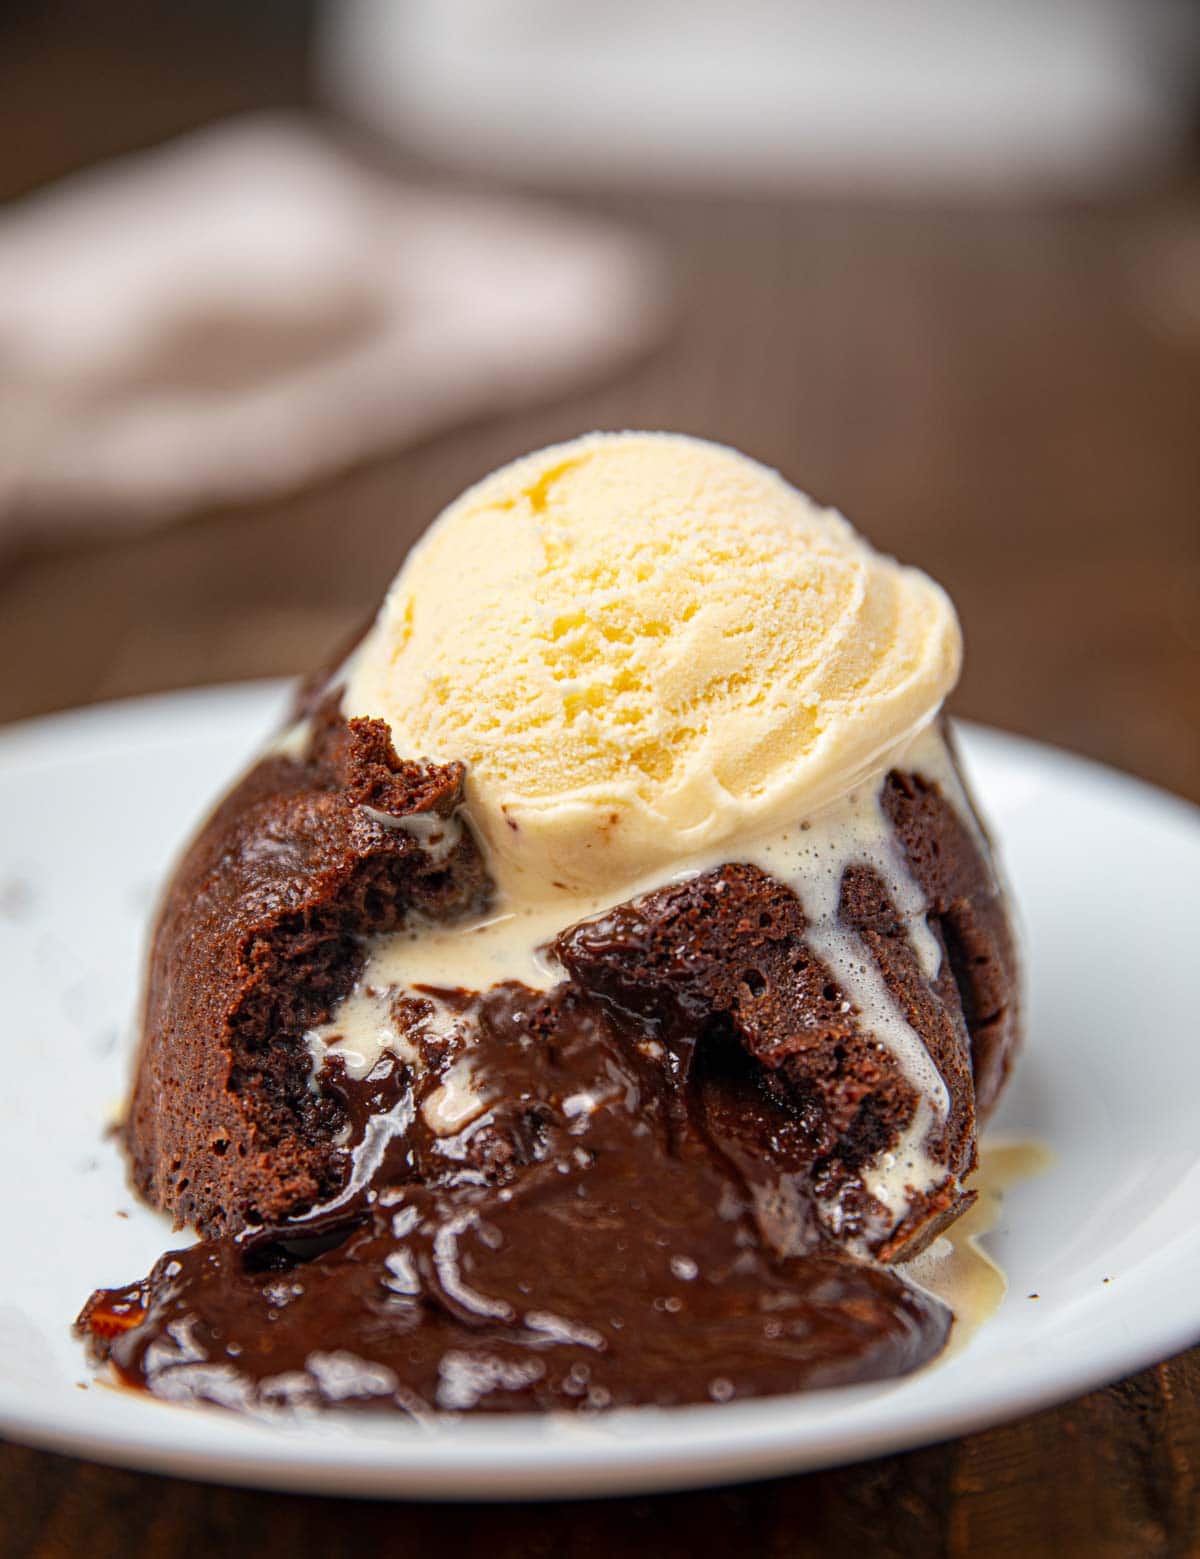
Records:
x=248, y=308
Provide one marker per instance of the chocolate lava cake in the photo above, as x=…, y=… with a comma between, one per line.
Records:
x=663, y=1184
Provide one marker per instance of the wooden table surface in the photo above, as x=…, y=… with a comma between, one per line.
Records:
x=1008, y=396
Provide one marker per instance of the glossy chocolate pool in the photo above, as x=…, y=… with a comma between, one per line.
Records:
x=621, y=1214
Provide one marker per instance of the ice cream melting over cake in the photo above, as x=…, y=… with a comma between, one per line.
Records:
x=654, y=657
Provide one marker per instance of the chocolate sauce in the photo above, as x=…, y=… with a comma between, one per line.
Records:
x=560, y=1204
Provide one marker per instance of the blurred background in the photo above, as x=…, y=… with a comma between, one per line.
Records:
x=278, y=280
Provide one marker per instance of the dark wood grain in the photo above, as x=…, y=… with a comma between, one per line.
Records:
x=1111, y=1476
x=1008, y=396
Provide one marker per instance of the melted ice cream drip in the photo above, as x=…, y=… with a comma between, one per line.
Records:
x=438, y=837
x=512, y=944
x=375, y=1019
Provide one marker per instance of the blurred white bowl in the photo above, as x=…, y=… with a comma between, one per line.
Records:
x=934, y=93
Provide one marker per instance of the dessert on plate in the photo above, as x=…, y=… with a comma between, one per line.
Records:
x=595, y=990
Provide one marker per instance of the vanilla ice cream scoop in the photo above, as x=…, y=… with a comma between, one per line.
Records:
x=643, y=645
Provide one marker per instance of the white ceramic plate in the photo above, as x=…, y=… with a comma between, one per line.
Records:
x=94, y=804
